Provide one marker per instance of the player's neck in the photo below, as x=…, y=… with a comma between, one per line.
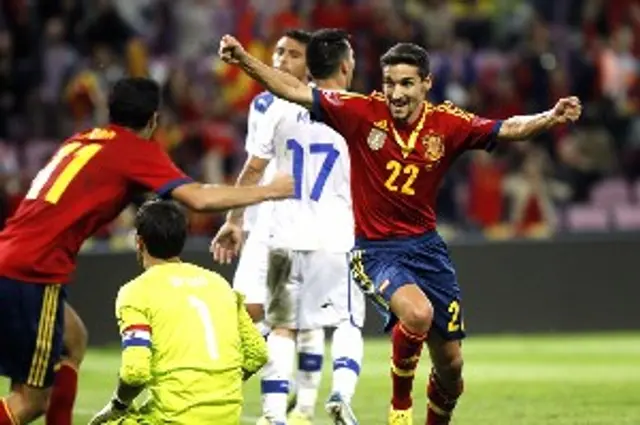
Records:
x=329, y=84
x=150, y=261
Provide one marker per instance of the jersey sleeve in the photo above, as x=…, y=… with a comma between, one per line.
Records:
x=342, y=111
x=253, y=346
x=135, y=331
x=261, y=126
x=469, y=130
x=150, y=167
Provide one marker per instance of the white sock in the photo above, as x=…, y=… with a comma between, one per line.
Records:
x=310, y=355
x=263, y=328
x=276, y=375
x=346, y=351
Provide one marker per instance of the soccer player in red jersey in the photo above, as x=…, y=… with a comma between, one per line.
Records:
x=401, y=146
x=85, y=185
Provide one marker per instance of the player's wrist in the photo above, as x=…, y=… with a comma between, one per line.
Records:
x=551, y=118
x=118, y=404
x=234, y=217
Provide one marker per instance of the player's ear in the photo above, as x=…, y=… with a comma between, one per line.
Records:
x=154, y=122
x=139, y=244
x=427, y=82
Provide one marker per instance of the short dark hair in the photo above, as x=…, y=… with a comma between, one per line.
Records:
x=408, y=54
x=133, y=101
x=299, y=35
x=326, y=50
x=162, y=226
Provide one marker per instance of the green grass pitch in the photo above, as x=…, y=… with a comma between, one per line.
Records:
x=533, y=380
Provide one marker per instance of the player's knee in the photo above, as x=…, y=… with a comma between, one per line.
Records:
x=32, y=403
x=256, y=312
x=450, y=369
x=284, y=332
x=417, y=317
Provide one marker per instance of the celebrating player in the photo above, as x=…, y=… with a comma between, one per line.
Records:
x=91, y=178
x=400, y=147
x=309, y=238
x=190, y=307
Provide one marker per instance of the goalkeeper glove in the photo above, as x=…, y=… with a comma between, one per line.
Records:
x=114, y=410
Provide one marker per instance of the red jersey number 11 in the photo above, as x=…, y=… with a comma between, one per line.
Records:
x=82, y=154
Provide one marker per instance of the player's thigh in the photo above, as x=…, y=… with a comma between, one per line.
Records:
x=251, y=273
x=438, y=281
x=32, y=317
x=283, y=284
x=75, y=335
x=392, y=288
x=328, y=296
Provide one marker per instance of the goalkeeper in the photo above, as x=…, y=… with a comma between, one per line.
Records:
x=186, y=337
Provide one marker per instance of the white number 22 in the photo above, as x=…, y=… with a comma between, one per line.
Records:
x=209, y=332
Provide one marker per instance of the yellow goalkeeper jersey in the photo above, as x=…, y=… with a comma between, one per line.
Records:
x=187, y=337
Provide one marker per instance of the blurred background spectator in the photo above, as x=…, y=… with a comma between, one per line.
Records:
x=58, y=59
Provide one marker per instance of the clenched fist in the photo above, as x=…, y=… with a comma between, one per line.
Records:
x=567, y=109
x=230, y=50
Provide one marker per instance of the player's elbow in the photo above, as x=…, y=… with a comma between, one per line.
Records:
x=193, y=196
x=302, y=95
x=136, y=366
x=255, y=355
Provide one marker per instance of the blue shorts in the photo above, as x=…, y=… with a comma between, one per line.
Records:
x=381, y=267
x=31, y=326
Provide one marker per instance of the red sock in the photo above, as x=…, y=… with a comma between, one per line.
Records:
x=441, y=402
x=6, y=418
x=406, y=354
x=63, y=396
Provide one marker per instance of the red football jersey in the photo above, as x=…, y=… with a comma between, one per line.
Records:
x=86, y=184
x=396, y=170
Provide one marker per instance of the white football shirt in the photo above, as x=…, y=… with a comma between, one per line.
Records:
x=319, y=216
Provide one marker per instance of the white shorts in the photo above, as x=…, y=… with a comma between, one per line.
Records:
x=250, y=278
x=310, y=290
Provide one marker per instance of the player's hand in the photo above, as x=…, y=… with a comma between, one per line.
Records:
x=567, y=109
x=230, y=51
x=107, y=414
x=227, y=242
x=282, y=186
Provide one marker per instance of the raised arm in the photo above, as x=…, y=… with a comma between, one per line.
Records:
x=277, y=82
x=523, y=127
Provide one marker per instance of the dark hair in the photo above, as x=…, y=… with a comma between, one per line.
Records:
x=301, y=36
x=408, y=54
x=162, y=226
x=325, y=52
x=133, y=101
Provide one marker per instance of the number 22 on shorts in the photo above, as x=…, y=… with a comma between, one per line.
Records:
x=82, y=154
x=455, y=323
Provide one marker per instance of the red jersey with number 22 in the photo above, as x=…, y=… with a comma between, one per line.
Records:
x=92, y=177
x=396, y=171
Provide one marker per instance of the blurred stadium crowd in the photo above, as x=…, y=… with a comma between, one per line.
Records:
x=495, y=57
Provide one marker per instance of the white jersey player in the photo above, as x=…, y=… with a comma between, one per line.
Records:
x=308, y=281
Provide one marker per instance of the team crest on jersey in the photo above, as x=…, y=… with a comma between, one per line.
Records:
x=376, y=139
x=433, y=148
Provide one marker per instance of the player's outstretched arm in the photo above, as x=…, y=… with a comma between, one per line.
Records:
x=566, y=110
x=210, y=198
x=277, y=82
